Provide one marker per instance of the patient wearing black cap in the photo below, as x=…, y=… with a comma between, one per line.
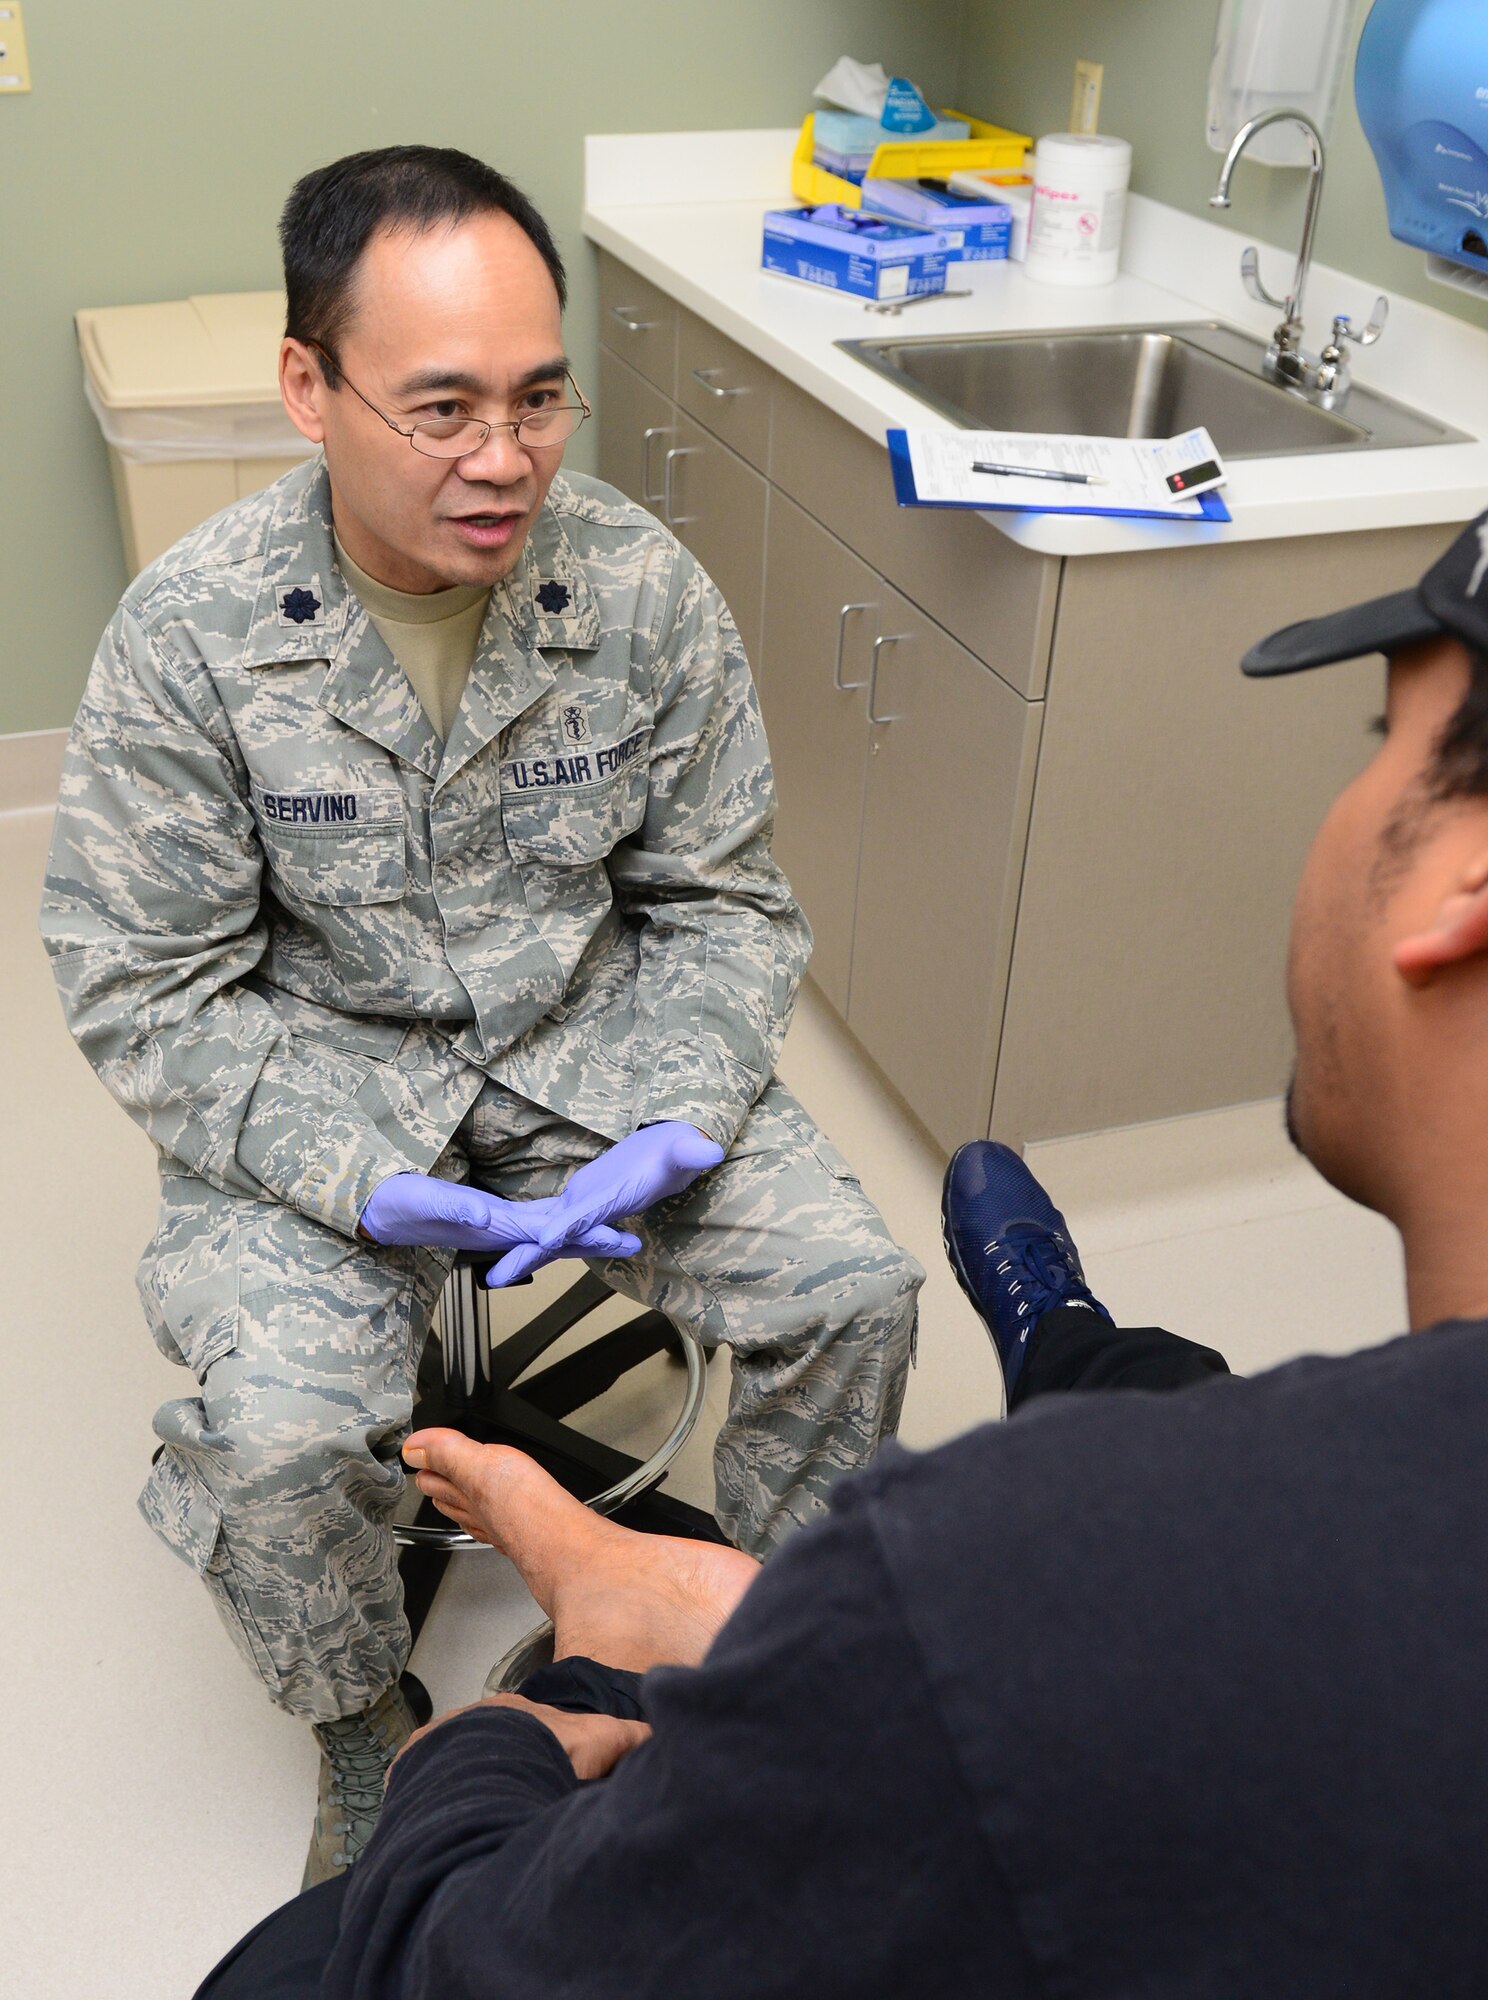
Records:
x=1132, y=1695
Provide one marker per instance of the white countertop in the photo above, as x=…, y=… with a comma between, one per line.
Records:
x=685, y=210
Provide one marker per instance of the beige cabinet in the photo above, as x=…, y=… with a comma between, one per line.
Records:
x=1103, y=947
x=637, y=425
x=996, y=598
x=1176, y=803
x=639, y=322
x=822, y=611
x=724, y=387
x=903, y=837
x=716, y=505
x=705, y=492
x=950, y=770
x=903, y=770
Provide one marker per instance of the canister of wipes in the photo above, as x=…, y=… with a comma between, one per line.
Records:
x=1079, y=204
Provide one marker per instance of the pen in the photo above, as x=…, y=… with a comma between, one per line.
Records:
x=1040, y=472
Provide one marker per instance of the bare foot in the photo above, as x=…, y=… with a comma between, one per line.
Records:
x=632, y=1601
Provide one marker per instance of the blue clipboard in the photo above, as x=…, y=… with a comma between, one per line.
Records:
x=1214, y=509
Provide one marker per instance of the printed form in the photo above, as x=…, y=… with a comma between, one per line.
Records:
x=1120, y=475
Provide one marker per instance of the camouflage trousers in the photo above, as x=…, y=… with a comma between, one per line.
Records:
x=278, y=1479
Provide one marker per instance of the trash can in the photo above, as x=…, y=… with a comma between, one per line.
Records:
x=186, y=394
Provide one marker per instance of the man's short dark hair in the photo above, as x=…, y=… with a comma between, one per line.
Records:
x=1460, y=766
x=332, y=214
x=1457, y=770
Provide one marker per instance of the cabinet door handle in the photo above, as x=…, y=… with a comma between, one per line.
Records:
x=677, y=451
x=842, y=686
x=651, y=431
x=887, y=639
x=703, y=378
x=626, y=317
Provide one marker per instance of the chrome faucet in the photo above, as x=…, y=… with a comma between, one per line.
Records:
x=1323, y=378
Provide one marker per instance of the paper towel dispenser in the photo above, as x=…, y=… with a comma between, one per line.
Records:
x=1421, y=85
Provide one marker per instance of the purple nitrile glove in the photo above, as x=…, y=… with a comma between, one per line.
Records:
x=657, y=1161
x=419, y=1209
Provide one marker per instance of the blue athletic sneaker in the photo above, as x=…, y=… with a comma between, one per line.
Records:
x=1009, y=1247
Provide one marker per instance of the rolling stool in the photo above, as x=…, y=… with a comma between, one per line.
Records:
x=473, y=1391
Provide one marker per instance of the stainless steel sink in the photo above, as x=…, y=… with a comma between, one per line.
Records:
x=1150, y=381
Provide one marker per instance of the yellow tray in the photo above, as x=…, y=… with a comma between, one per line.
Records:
x=906, y=159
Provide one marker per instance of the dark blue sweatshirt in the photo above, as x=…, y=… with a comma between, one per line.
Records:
x=1181, y=1697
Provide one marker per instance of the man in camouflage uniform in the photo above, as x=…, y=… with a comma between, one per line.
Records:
x=328, y=942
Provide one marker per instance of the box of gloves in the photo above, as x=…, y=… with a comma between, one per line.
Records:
x=848, y=251
x=975, y=230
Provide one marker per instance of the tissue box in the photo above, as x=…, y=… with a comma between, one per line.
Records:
x=851, y=252
x=976, y=230
x=844, y=142
x=852, y=132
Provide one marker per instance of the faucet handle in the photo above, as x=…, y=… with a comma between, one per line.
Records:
x=1250, y=271
x=1343, y=328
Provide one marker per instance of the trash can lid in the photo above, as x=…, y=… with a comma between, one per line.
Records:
x=214, y=348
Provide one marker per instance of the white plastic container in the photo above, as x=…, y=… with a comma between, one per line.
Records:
x=186, y=394
x=1079, y=205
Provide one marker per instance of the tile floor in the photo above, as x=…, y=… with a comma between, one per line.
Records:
x=153, y=1806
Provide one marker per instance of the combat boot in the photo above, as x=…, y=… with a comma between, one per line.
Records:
x=355, y=1755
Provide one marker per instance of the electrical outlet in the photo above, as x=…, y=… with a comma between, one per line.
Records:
x=15, y=69
x=1085, y=103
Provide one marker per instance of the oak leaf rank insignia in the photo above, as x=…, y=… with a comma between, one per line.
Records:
x=299, y=606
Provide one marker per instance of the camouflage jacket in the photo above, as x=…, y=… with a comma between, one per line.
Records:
x=294, y=934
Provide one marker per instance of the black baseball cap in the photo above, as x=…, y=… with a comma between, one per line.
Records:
x=1452, y=597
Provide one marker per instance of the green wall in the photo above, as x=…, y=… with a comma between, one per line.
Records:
x=1017, y=60
x=158, y=144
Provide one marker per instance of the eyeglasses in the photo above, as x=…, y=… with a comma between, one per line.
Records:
x=457, y=437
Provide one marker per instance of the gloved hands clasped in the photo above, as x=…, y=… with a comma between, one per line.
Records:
x=657, y=1161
